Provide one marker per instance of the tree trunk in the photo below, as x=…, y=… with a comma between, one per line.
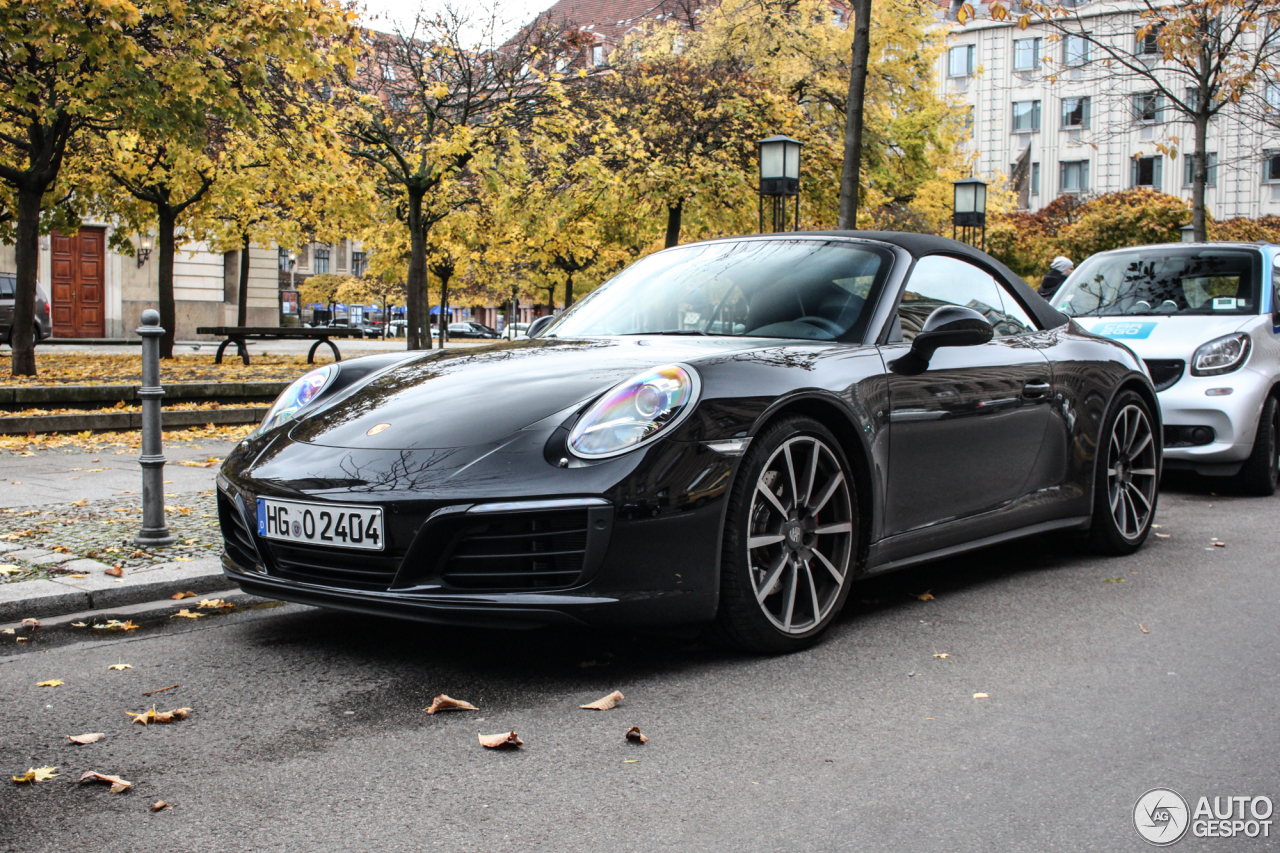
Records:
x=850, y=173
x=168, y=310
x=1199, y=176
x=673, y=225
x=27, y=250
x=418, y=310
x=242, y=298
x=568, y=291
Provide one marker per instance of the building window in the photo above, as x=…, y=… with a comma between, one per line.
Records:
x=1026, y=54
x=1271, y=167
x=1273, y=96
x=1035, y=179
x=1148, y=45
x=1026, y=116
x=562, y=62
x=1148, y=108
x=960, y=61
x=282, y=257
x=1075, y=112
x=322, y=260
x=597, y=54
x=359, y=263
x=1145, y=172
x=1211, y=169
x=1073, y=176
x=1075, y=51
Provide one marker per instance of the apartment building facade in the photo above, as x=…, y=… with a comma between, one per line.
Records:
x=1047, y=111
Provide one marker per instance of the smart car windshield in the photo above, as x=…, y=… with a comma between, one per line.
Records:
x=805, y=289
x=1195, y=280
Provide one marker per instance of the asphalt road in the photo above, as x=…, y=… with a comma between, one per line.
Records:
x=308, y=731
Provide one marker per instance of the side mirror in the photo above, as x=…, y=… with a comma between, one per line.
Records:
x=947, y=326
x=536, y=327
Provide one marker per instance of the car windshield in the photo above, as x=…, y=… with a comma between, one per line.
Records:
x=1195, y=280
x=804, y=289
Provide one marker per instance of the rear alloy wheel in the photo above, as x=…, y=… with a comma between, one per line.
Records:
x=1261, y=472
x=789, y=540
x=1127, y=478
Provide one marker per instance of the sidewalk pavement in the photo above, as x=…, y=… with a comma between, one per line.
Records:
x=57, y=479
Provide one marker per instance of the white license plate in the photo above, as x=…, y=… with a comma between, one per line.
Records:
x=331, y=525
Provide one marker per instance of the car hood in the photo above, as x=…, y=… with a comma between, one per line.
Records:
x=464, y=397
x=1166, y=337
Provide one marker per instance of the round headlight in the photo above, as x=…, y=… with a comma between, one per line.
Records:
x=634, y=413
x=297, y=396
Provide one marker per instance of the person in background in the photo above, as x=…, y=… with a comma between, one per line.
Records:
x=1058, y=272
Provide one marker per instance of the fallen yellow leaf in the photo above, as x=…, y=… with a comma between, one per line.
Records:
x=981, y=696
x=214, y=604
x=152, y=716
x=10, y=569
x=942, y=656
x=36, y=774
x=927, y=595
x=120, y=666
x=81, y=502
x=178, y=596
x=186, y=614
x=53, y=682
x=605, y=703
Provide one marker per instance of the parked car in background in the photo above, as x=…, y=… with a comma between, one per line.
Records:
x=368, y=330
x=515, y=331
x=43, y=326
x=730, y=432
x=396, y=329
x=470, y=329
x=1204, y=317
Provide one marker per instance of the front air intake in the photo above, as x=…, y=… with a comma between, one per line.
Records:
x=518, y=551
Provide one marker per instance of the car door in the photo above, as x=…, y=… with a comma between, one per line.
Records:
x=964, y=435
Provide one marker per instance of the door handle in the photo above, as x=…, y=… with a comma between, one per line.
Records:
x=1037, y=389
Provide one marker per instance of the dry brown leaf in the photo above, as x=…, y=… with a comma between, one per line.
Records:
x=927, y=595
x=120, y=666
x=11, y=569
x=186, y=614
x=31, y=625
x=504, y=740
x=178, y=596
x=6, y=631
x=606, y=703
x=52, y=682
x=981, y=696
x=152, y=716
x=86, y=739
x=214, y=604
x=160, y=805
x=942, y=656
x=35, y=774
x=1219, y=544
x=118, y=785
x=1143, y=628
x=447, y=703
x=114, y=571
x=160, y=690
x=1163, y=535
x=81, y=502
x=634, y=736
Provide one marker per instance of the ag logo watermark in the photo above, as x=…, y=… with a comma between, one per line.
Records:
x=1162, y=817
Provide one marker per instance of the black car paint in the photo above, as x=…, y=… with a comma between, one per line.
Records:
x=944, y=460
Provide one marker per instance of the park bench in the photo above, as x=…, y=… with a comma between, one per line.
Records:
x=239, y=334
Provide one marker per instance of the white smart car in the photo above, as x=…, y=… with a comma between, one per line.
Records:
x=1205, y=318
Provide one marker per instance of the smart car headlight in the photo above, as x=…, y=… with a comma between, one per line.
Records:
x=634, y=413
x=1221, y=355
x=297, y=396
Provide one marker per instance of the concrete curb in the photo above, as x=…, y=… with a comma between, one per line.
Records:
x=95, y=591
x=126, y=420
x=88, y=396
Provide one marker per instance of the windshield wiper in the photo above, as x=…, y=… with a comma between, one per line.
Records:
x=673, y=332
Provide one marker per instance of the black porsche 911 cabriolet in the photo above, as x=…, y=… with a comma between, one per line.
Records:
x=728, y=432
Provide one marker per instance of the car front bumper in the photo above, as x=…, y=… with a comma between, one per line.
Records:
x=1233, y=417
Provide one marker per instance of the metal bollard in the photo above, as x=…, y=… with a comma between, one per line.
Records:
x=155, y=532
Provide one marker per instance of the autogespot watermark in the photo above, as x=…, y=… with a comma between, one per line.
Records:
x=1162, y=817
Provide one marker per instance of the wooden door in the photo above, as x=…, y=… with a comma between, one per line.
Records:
x=77, y=297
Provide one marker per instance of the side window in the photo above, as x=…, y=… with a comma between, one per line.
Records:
x=939, y=280
x=7, y=289
x=1275, y=290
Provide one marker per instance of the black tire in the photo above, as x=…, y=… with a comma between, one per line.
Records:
x=1126, y=477
x=805, y=526
x=1261, y=471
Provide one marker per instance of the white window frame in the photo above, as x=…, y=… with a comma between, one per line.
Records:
x=1083, y=174
x=1034, y=115
x=1081, y=56
x=1019, y=53
x=1269, y=157
x=1157, y=108
x=1086, y=105
x=1157, y=172
x=1211, y=169
x=966, y=50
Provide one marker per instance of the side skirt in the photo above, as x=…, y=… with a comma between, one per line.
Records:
x=875, y=568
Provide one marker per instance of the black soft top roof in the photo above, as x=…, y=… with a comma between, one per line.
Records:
x=920, y=245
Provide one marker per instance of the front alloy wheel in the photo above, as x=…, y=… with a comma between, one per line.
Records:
x=795, y=507
x=1127, y=478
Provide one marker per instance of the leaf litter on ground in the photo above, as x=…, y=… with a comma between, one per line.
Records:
x=36, y=774
x=448, y=703
x=118, y=785
x=605, y=703
x=152, y=716
x=502, y=740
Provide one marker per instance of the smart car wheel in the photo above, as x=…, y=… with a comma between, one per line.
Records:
x=1261, y=472
x=789, y=540
x=1126, y=478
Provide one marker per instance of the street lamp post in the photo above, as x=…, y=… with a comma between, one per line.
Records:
x=779, y=178
x=969, y=218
